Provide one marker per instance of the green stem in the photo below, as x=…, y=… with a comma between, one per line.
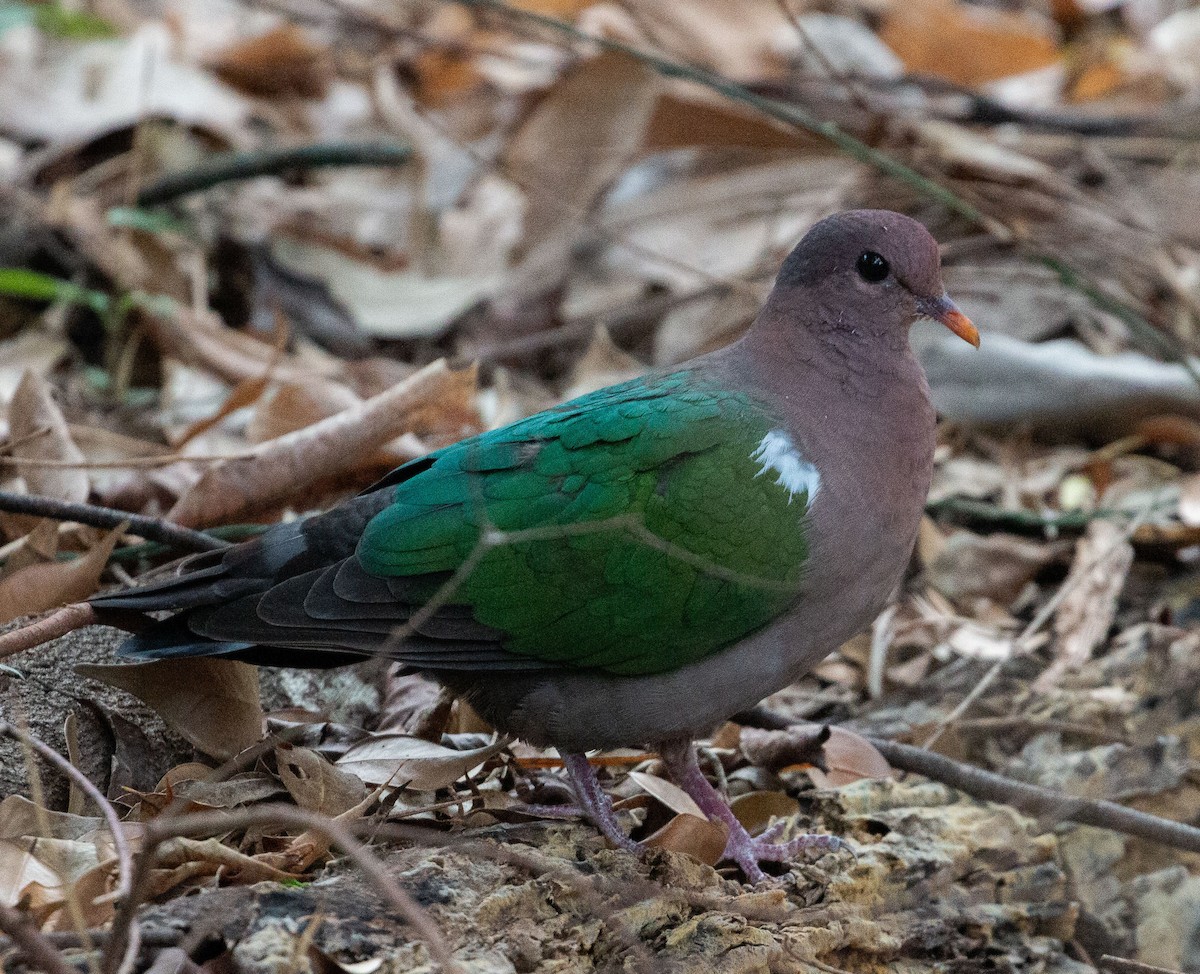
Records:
x=234, y=166
x=991, y=515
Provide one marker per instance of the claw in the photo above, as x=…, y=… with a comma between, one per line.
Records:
x=743, y=848
x=748, y=851
x=771, y=832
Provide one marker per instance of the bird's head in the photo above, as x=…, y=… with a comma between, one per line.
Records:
x=872, y=272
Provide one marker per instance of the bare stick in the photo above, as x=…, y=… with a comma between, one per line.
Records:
x=1030, y=799
x=150, y=528
x=124, y=858
x=1123, y=966
x=57, y=623
x=237, y=166
x=210, y=823
x=39, y=953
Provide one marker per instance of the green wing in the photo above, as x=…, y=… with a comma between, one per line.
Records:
x=631, y=531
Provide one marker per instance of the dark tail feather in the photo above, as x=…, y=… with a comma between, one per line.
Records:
x=173, y=640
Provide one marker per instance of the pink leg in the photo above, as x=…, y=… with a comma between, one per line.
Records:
x=596, y=803
x=679, y=758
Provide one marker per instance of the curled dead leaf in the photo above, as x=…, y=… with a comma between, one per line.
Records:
x=48, y=585
x=315, y=784
x=1102, y=561
x=848, y=757
x=833, y=756
x=401, y=760
x=39, y=432
x=211, y=703
x=695, y=836
x=667, y=792
x=578, y=139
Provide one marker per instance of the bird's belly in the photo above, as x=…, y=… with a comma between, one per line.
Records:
x=580, y=711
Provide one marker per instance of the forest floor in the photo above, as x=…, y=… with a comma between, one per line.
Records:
x=252, y=256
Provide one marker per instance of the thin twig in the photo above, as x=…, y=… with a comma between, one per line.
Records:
x=988, y=786
x=56, y=624
x=150, y=528
x=120, y=846
x=39, y=953
x=1123, y=966
x=233, y=166
x=336, y=833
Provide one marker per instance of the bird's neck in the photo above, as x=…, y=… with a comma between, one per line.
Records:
x=877, y=387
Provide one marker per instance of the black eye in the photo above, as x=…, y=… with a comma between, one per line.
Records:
x=872, y=267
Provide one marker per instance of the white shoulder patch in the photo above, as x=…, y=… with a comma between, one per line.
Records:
x=778, y=454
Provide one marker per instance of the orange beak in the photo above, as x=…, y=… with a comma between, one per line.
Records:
x=943, y=309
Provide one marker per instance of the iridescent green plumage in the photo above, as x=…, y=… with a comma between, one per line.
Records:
x=641, y=532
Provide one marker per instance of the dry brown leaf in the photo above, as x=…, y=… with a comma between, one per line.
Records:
x=964, y=43
x=288, y=408
x=404, y=761
x=19, y=867
x=848, y=757
x=35, y=548
x=280, y=469
x=697, y=837
x=316, y=784
x=36, y=588
x=578, y=139
x=243, y=789
x=603, y=364
x=995, y=566
x=19, y=816
x=281, y=62
x=842, y=755
x=1103, y=558
x=685, y=119
x=86, y=889
x=39, y=432
x=744, y=41
x=212, y=703
x=667, y=792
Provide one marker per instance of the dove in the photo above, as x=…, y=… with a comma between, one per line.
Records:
x=634, y=566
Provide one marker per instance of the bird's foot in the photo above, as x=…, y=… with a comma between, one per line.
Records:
x=746, y=850
x=596, y=804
